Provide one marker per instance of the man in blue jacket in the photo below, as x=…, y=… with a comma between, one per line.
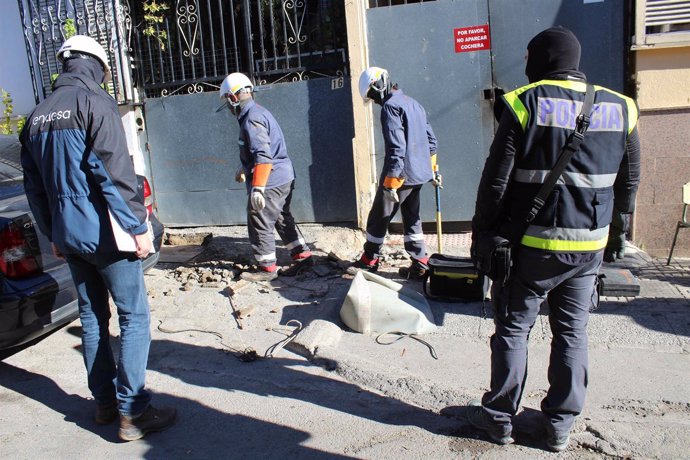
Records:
x=409, y=163
x=270, y=178
x=77, y=171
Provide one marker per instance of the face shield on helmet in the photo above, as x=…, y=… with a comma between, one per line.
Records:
x=83, y=44
x=232, y=87
x=374, y=84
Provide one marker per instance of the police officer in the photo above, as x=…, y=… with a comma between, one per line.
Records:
x=409, y=163
x=557, y=260
x=269, y=175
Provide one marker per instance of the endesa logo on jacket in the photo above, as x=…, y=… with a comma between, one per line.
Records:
x=57, y=115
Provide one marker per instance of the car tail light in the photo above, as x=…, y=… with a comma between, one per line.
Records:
x=18, y=248
x=148, y=196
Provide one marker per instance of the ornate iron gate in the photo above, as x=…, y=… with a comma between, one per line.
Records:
x=47, y=23
x=187, y=45
x=194, y=44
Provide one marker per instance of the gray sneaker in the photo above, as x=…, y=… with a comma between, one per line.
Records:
x=152, y=419
x=558, y=444
x=478, y=418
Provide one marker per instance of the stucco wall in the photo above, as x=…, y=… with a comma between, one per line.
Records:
x=14, y=67
x=663, y=78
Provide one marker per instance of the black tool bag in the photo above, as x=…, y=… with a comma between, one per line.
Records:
x=453, y=278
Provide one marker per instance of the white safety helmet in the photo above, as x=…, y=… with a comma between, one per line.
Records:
x=84, y=44
x=374, y=78
x=234, y=84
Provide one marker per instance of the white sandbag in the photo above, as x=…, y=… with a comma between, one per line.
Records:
x=376, y=305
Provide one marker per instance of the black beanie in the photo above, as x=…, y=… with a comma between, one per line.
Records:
x=552, y=50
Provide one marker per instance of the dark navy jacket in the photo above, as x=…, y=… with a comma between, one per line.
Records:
x=77, y=166
x=261, y=141
x=408, y=138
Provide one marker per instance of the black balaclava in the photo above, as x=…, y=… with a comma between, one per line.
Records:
x=551, y=52
x=85, y=65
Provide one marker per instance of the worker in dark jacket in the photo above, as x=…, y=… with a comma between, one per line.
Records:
x=270, y=178
x=409, y=163
x=78, y=173
x=557, y=260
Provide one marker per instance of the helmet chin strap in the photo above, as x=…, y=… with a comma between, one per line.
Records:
x=237, y=105
x=379, y=90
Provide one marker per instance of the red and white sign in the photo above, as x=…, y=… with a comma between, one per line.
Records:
x=475, y=38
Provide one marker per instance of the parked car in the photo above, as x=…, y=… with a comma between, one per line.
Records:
x=37, y=295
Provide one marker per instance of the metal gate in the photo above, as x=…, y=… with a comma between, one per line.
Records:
x=296, y=52
x=417, y=42
x=47, y=23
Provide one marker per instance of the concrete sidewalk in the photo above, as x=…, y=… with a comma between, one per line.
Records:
x=351, y=397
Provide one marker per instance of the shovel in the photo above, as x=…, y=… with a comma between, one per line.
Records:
x=438, y=210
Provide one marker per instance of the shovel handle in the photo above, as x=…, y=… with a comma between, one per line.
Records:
x=438, y=215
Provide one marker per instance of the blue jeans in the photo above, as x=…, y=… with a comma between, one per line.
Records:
x=121, y=275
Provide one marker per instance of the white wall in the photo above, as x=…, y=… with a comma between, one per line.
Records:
x=14, y=66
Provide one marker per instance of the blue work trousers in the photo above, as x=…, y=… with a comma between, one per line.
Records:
x=571, y=292
x=380, y=216
x=276, y=215
x=121, y=276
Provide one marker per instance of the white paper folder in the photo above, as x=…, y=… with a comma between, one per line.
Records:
x=125, y=241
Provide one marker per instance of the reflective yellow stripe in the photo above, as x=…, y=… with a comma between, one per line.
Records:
x=632, y=114
x=457, y=276
x=563, y=245
x=517, y=107
x=569, y=84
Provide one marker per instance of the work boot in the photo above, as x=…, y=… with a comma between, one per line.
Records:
x=478, y=418
x=301, y=264
x=558, y=444
x=416, y=271
x=152, y=419
x=261, y=274
x=106, y=414
x=364, y=263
